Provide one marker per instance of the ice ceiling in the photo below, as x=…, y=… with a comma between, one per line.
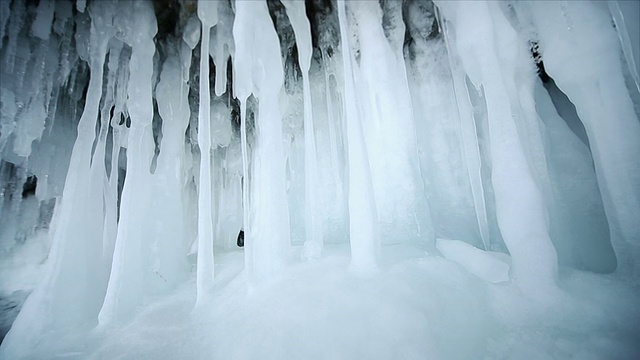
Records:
x=469, y=172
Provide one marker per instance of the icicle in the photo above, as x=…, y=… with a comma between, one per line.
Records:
x=7, y=115
x=363, y=222
x=108, y=182
x=16, y=22
x=131, y=269
x=110, y=227
x=615, y=143
x=333, y=141
x=525, y=234
x=302, y=30
x=471, y=149
x=173, y=106
x=76, y=250
x=246, y=219
x=41, y=26
x=389, y=131
x=65, y=54
x=52, y=87
x=5, y=11
x=258, y=68
x=224, y=45
x=208, y=14
x=28, y=130
x=191, y=33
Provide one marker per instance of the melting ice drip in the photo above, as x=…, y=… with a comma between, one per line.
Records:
x=372, y=123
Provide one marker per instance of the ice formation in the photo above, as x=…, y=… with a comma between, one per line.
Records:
x=414, y=179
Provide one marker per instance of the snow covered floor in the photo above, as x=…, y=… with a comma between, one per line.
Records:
x=417, y=307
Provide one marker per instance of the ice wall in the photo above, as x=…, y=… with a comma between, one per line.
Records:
x=138, y=138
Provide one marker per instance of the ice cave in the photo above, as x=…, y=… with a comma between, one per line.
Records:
x=319, y=179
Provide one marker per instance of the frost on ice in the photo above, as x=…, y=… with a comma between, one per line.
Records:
x=413, y=179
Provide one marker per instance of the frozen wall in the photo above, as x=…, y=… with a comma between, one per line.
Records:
x=138, y=138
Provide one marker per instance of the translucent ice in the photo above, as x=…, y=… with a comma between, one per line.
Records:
x=344, y=141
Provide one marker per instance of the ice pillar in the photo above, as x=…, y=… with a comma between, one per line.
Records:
x=258, y=70
x=364, y=235
x=208, y=14
x=520, y=208
x=581, y=53
x=76, y=273
x=129, y=272
x=302, y=29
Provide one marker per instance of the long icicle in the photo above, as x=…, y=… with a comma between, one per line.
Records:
x=207, y=12
x=302, y=30
x=363, y=220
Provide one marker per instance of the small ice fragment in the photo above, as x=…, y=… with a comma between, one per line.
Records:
x=478, y=262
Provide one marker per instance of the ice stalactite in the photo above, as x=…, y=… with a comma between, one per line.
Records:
x=223, y=45
x=130, y=273
x=364, y=233
x=208, y=14
x=388, y=126
x=391, y=139
x=520, y=208
x=169, y=263
x=313, y=220
x=116, y=86
x=76, y=244
x=258, y=70
x=590, y=73
x=469, y=143
x=226, y=181
x=5, y=11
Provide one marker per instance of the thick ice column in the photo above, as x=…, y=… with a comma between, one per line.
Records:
x=469, y=138
x=169, y=249
x=258, y=70
x=208, y=14
x=302, y=30
x=364, y=234
x=444, y=124
x=387, y=122
x=130, y=270
x=582, y=54
x=520, y=207
x=75, y=258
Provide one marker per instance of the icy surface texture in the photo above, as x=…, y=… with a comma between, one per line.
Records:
x=413, y=179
